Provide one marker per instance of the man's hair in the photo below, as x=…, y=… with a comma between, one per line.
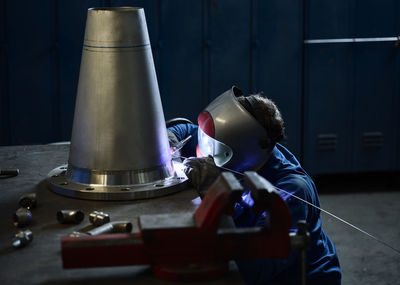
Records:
x=267, y=114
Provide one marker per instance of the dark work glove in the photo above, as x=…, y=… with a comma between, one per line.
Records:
x=201, y=172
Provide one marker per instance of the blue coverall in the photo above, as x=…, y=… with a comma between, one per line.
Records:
x=284, y=172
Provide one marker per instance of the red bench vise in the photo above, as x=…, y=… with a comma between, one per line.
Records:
x=168, y=240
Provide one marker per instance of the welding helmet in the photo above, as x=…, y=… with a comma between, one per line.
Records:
x=229, y=133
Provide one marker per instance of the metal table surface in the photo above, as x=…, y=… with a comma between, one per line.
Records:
x=40, y=261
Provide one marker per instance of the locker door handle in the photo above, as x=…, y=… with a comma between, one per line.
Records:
x=353, y=40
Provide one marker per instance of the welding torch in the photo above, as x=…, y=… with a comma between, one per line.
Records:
x=177, y=147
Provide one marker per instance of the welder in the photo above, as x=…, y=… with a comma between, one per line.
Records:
x=242, y=133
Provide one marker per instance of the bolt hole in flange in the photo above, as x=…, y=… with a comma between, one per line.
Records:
x=89, y=188
x=125, y=189
x=64, y=183
x=158, y=185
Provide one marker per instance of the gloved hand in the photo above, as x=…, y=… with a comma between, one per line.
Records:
x=201, y=172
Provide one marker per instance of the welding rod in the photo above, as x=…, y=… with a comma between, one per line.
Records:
x=112, y=227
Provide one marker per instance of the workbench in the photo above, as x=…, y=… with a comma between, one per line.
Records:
x=40, y=261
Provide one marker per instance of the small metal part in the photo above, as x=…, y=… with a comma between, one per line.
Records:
x=77, y=234
x=7, y=173
x=28, y=200
x=112, y=227
x=70, y=216
x=22, y=217
x=22, y=238
x=98, y=218
x=104, y=229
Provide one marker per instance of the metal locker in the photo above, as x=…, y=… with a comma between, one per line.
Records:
x=396, y=117
x=374, y=111
x=180, y=68
x=229, y=38
x=277, y=61
x=327, y=97
x=31, y=71
x=325, y=19
x=376, y=85
x=4, y=112
x=327, y=113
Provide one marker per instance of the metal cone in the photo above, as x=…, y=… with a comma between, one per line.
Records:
x=119, y=145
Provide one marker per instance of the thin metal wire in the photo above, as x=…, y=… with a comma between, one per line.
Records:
x=231, y=170
x=324, y=211
x=340, y=219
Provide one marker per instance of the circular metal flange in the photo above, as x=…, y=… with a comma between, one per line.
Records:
x=60, y=183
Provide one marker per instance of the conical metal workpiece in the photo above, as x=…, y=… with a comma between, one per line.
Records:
x=119, y=145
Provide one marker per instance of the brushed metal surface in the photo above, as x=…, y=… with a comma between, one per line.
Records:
x=119, y=121
x=61, y=183
x=119, y=139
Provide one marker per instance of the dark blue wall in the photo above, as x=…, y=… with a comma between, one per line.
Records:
x=343, y=95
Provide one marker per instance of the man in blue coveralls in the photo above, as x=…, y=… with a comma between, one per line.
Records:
x=242, y=133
